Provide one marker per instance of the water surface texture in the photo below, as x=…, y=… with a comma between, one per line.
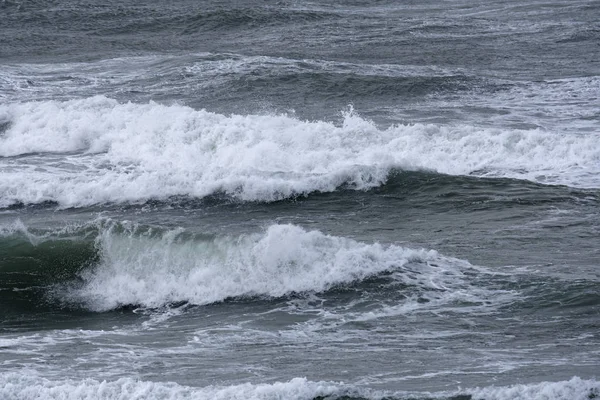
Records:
x=300, y=199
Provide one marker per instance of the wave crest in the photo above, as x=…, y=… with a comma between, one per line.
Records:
x=153, y=269
x=96, y=150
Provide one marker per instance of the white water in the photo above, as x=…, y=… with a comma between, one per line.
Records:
x=28, y=385
x=96, y=150
x=573, y=389
x=141, y=267
x=22, y=386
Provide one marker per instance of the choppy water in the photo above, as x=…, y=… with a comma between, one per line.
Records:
x=303, y=200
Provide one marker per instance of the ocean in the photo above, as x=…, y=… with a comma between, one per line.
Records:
x=316, y=200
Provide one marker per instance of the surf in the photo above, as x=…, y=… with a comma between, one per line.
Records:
x=94, y=151
x=106, y=264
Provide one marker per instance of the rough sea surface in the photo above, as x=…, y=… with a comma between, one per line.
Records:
x=340, y=199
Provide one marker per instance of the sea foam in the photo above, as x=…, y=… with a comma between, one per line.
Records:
x=573, y=389
x=23, y=387
x=29, y=385
x=138, y=266
x=96, y=150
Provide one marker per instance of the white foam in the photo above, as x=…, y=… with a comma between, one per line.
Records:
x=574, y=389
x=140, y=267
x=28, y=384
x=133, y=152
x=24, y=386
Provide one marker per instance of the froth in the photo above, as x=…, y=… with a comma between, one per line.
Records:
x=574, y=389
x=139, y=268
x=22, y=386
x=134, y=152
x=29, y=385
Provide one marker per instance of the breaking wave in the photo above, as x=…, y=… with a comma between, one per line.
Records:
x=96, y=150
x=168, y=267
x=131, y=265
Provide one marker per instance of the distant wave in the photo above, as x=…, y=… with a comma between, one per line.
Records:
x=96, y=150
x=197, y=77
x=29, y=385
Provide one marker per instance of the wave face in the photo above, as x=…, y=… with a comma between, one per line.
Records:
x=191, y=207
x=105, y=265
x=15, y=385
x=151, y=267
x=96, y=150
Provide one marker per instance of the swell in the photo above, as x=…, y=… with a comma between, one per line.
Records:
x=331, y=86
x=28, y=269
x=27, y=265
x=227, y=19
x=215, y=78
x=118, y=19
x=434, y=189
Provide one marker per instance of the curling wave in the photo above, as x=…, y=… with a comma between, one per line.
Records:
x=109, y=264
x=152, y=269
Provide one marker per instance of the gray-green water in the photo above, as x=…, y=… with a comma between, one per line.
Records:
x=305, y=200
